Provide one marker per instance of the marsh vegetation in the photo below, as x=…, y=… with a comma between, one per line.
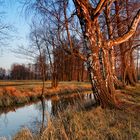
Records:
x=95, y=122
x=83, y=63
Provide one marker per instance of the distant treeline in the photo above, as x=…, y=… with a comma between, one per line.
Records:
x=68, y=69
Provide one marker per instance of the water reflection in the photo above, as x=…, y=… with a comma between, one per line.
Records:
x=34, y=116
x=73, y=100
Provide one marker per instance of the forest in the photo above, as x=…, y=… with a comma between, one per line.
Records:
x=84, y=58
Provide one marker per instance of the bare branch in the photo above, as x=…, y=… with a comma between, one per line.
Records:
x=99, y=6
x=135, y=47
x=129, y=34
x=75, y=53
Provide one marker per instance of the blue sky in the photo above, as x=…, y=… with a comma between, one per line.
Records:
x=14, y=16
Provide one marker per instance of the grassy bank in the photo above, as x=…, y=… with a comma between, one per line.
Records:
x=94, y=124
x=15, y=93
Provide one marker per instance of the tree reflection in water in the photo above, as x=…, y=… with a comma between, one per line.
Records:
x=35, y=116
x=51, y=108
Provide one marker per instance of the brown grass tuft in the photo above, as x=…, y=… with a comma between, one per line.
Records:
x=24, y=134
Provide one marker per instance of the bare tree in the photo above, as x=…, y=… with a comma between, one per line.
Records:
x=2, y=73
x=98, y=45
x=128, y=72
x=37, y=42
x=5, y=28
x=89, y=19
x=19, y=72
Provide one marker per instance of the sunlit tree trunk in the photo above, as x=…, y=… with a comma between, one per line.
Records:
x=111, y=51
x=103, y=88
x=128, y=71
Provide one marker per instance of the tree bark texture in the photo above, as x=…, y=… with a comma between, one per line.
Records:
x=100, y=59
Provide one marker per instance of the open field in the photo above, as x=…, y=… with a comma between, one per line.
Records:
x=96, y=123
x=34, y=83
x=13, y=93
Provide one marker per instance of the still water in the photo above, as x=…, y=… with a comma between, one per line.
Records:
x=32, y=115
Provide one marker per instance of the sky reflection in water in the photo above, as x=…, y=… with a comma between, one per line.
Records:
x=11, y=122
x=31, y=115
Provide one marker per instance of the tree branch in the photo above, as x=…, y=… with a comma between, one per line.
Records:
x=129, y=34
x=74, y=52
x=99, y=6
x=135, y=47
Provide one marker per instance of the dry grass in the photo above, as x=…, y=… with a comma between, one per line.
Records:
x=97, y=123
x=33, y=83
x=16, y=95
x=25, y=134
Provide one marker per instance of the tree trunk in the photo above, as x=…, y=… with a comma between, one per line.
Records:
x=111, y=53
x=128, y=72
x=102, y=87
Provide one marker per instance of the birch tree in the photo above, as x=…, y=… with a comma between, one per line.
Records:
x=98, y=46
x=103, y=86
